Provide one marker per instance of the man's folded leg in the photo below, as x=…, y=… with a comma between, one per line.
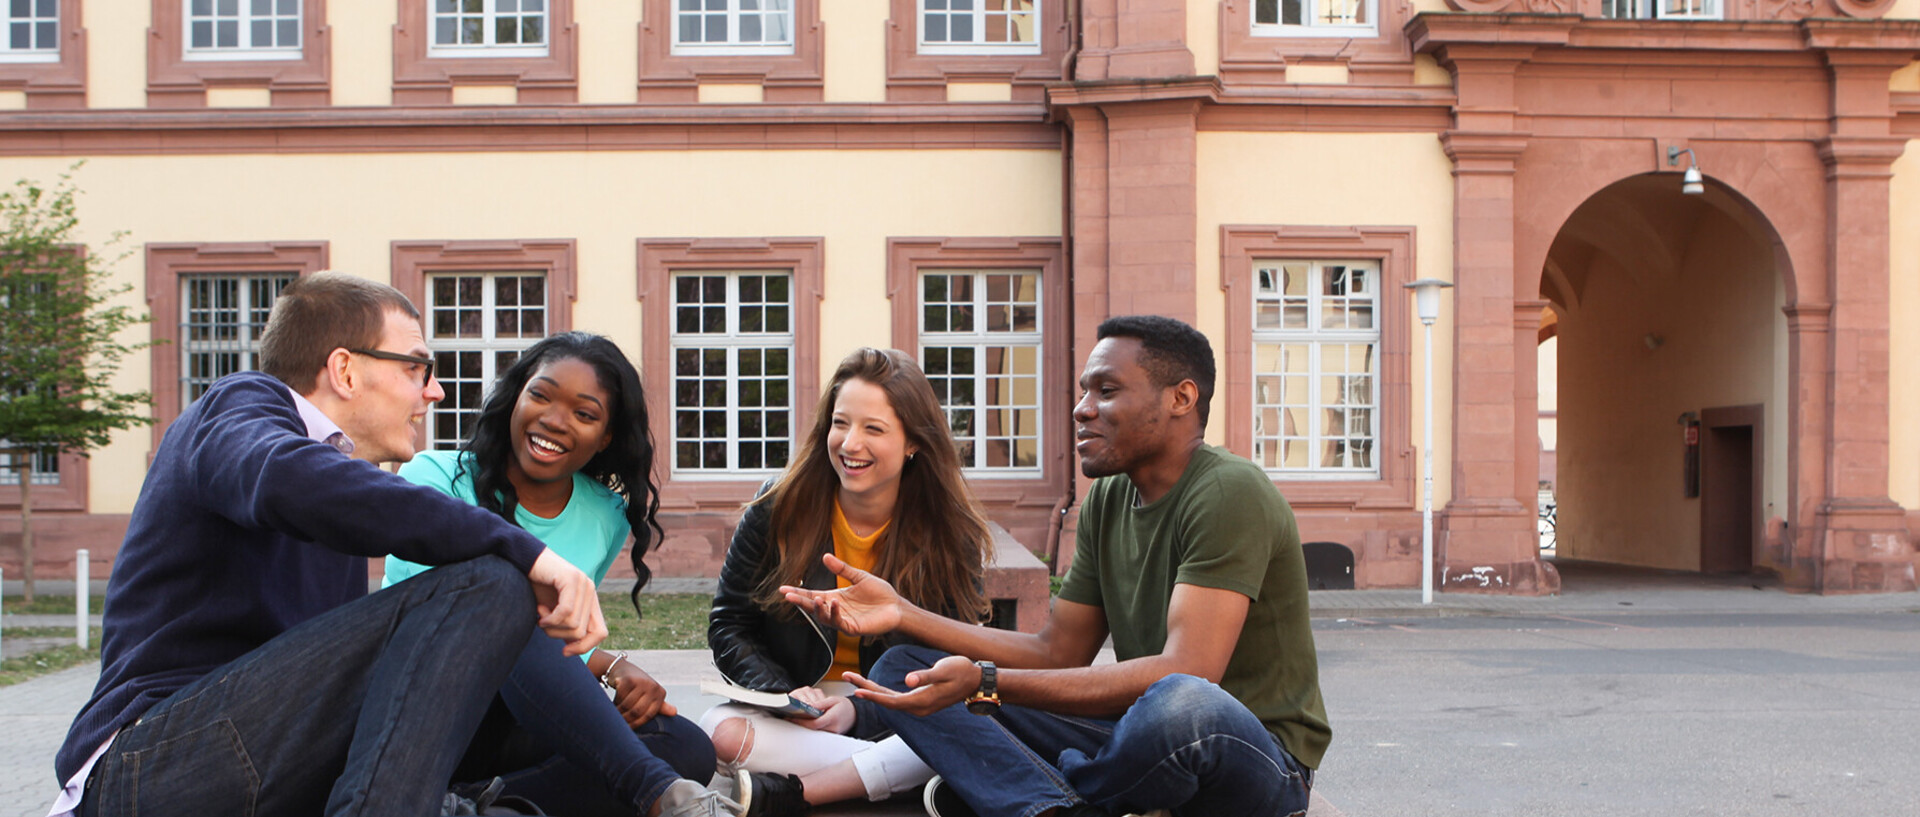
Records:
x=1189, y=746
x=1001, y=765
x=363, y=710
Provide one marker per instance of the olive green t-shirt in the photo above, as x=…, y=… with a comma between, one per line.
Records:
x=1222, y=526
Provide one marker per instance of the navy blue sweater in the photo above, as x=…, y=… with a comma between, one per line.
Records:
x=246, y=527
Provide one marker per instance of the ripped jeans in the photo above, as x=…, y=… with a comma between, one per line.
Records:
x=1186, y=745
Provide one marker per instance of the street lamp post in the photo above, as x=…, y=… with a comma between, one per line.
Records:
x=1426, y=303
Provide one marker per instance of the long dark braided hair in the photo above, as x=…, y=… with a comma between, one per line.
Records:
x=625, y=466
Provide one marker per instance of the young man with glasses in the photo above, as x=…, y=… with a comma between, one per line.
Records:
x=244, y=668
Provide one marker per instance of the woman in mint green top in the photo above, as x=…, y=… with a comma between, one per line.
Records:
x=561, y=448
x=590, y=531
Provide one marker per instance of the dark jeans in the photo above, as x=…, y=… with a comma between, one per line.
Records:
x=1186, y=745
x=363, y=710
x=558, y=741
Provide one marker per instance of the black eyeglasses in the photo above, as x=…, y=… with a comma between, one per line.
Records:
x=426, y=375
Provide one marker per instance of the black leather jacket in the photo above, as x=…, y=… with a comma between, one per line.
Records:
x=766, y=652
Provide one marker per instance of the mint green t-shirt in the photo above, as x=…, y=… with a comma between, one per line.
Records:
x=1223, y=526
x=590, y=532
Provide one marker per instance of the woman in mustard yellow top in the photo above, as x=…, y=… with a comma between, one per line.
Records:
x=876, y=482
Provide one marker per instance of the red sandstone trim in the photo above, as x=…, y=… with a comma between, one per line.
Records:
x=420, y=79
x=1393, y=249
x=54, y=85
x=176, y=82
x=658, y=259
x=167, y=262
x=916, y=77
x=1014, y=126
x=413, y=261
x=907, y=258
x=784, y=78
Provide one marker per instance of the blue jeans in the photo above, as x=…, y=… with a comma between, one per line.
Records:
x=557, y=740
x=363, y=710
x=1186, y=745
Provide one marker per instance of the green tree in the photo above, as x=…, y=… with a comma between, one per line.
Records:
x=59, y=346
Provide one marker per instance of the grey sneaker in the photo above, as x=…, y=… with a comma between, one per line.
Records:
x=686, y=798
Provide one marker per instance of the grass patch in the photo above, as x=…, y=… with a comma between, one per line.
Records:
x=33, y=665
x=674, y=621
x=49, y=632
x=45, y=605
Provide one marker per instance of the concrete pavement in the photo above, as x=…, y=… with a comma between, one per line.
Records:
x=1632, y=692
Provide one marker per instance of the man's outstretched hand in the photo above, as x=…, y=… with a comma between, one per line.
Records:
x=568, y=606
x=949, y=681
x=867, y=606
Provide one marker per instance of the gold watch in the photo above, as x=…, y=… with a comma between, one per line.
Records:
x=986, y=699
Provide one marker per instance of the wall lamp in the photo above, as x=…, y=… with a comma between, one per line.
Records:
x=1690, y=183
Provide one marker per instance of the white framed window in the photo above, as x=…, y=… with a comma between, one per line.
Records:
x=478, y=323
x=1660, y=9
x=488, y=28
x=1316, y=367
x=221, y=319
x=732, y=343
x=980, y=26
x=980, y=344
x=33, y=31
x=1314, y=18
x=242, y=30
x=46, y=465
x=723, y=27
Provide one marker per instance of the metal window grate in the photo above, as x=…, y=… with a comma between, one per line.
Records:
x=221, y=320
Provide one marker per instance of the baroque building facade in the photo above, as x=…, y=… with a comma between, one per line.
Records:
x=739, y=191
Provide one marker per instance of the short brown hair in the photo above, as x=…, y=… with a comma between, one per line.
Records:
x=321, y=312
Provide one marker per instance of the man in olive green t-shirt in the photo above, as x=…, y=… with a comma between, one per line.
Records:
x=1189, y=558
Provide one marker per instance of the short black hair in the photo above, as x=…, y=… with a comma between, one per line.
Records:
x=1171, y=351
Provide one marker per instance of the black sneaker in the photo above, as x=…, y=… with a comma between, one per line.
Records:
x=942, y=801
x=764, y=794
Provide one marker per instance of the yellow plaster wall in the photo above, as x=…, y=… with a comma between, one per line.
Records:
x=1903, y=404
x=1203, y=35
x=609, y=51
x=485, y=95
x=979, y=92
x=1547, y=373
x=856, y=49
x=360, y=203
x=362, y=64
x=1904, y=10
x=116, y=53
x=1383, y=179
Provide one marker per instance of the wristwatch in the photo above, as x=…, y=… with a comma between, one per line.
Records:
x=986, y=699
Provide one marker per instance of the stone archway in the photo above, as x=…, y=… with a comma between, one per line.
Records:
x=1667, y=306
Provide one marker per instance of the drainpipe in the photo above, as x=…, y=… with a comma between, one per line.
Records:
x=1056, y=523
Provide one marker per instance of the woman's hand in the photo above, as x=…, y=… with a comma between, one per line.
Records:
x=637, y=695
x=868, y=605
x=836, y=713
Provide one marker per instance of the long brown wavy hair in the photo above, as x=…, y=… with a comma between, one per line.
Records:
x=934, y=551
